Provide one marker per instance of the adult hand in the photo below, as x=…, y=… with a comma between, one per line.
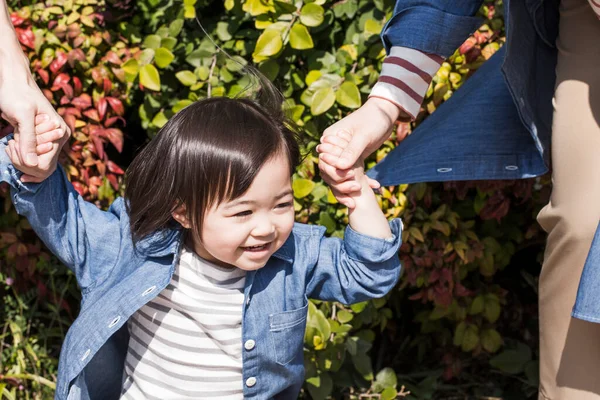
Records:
x=351, y=139
x=50, y=138
x=20, y=98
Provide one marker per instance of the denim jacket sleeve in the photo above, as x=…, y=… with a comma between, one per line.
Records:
x=354, y=269
x=432, y=26
x=83, y=237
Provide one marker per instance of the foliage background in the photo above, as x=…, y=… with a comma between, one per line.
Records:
x=462, y=323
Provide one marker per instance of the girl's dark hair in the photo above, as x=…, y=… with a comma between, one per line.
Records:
x=207, y=153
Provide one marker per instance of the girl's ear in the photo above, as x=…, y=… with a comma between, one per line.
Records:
x=180, y=215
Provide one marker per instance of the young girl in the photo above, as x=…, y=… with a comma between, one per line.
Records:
x=195, y=285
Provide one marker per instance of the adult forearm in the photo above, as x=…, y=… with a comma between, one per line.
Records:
x=13, y=62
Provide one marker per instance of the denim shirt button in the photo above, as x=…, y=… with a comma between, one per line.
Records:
x=249, y=345
x=251, y=381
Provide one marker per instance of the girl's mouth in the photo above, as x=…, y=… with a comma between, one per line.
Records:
x=257, y=249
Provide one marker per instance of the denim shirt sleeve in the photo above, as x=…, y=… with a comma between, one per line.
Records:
x=432, y=26
x=83, y=237
x=354, y=269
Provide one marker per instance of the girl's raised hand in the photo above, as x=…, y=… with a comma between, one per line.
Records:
x=49, y=139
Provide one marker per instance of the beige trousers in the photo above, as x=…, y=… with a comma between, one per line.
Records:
x=570, y=348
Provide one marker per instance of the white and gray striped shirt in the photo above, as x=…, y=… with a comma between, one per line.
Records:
x=187, y=342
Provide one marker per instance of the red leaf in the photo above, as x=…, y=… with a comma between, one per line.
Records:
x=95, y=180
x=44, y=76
x=113, y=181
x=116, y=105
x=26, y=37
x=112, y=57
x=67, y=90
x=115, y=136
x=70, y=111
x=107, y=85
x=70, y=121
x=77, y=85
x=82, y=102
x=59, y=61
x=92, y=114
x=42, y=289
x=64, y=100
x=467, y=45
x=114, y=168
x=60, y=80
x=16, y=20
x=98, y=145
x=101, y=107
x=112, y=120
x=101, y=167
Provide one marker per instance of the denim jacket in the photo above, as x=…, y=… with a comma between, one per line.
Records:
x=117, y=279
x=498, y=123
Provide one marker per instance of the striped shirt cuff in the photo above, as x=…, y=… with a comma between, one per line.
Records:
x=595, y=6
x=405, y=78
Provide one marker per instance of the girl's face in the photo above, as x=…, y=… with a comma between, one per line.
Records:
x=245, y=232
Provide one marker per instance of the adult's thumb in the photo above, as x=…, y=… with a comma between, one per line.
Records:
x=27, y=140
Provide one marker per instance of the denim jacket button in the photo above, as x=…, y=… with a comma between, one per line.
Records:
x=249, y=345
x=251, y=381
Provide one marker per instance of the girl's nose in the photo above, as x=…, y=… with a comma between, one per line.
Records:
x=264, y=228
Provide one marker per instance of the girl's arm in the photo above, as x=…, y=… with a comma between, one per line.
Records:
x=83, y=237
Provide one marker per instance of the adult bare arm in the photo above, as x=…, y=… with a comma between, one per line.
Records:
x=20, y=97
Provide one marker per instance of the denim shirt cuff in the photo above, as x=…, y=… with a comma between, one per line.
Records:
x=369, y=249
x=10, y=174
x=429, y=30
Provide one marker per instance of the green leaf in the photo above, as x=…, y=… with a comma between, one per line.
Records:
x=180, y=105
x=320, y=386
x=300, y=39
x=373, y=27
x=511, y=361
x=146, y=56
x=163, y=57
x=389, y=394
x=348, y=95
x=268, y=44
x=387, y=378
x=344, y=316
x=223, y=31
x=190, y=12
x=175, y=27
x=188, y=78
x=270, y=69
x=491, y=340
x=470, y=338
x=152, y=42
x=159, y=120
x=302, y=187
x=322, y=101
x=312, y=14
x=256, y=7
x=459, y=333
x=477, y=306
x=131, y=69
x=492, y=310
x=168, y=43
x=326, y=221
x=149, y=77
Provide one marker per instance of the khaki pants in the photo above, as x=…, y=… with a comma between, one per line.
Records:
x=570, y=348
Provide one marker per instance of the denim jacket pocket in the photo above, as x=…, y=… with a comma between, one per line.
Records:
x=287, y=334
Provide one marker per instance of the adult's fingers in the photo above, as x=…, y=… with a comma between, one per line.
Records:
x=373, y=183
x=49, y=136
x=344, y=199
x=27, y=144
x=332, y=175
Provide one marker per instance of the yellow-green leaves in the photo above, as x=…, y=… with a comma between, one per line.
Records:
x=257, y=7
x=163, y=57
x=322, y=101
x=189, y=8
x=300, y=39
x=348, y=95
x=188, y=78
x=269, y=43
x=302, y=187
x=149, y=77
x=312, y=14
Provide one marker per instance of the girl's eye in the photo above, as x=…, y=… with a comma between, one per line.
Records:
x=285, y=205
x=243, y=213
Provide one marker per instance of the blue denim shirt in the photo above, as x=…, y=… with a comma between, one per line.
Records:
x=117, y=279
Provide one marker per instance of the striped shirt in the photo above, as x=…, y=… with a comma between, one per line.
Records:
x=187, y=342
x=405, y=78
x=595, y=6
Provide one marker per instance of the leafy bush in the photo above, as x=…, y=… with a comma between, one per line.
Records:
x=462, y=319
